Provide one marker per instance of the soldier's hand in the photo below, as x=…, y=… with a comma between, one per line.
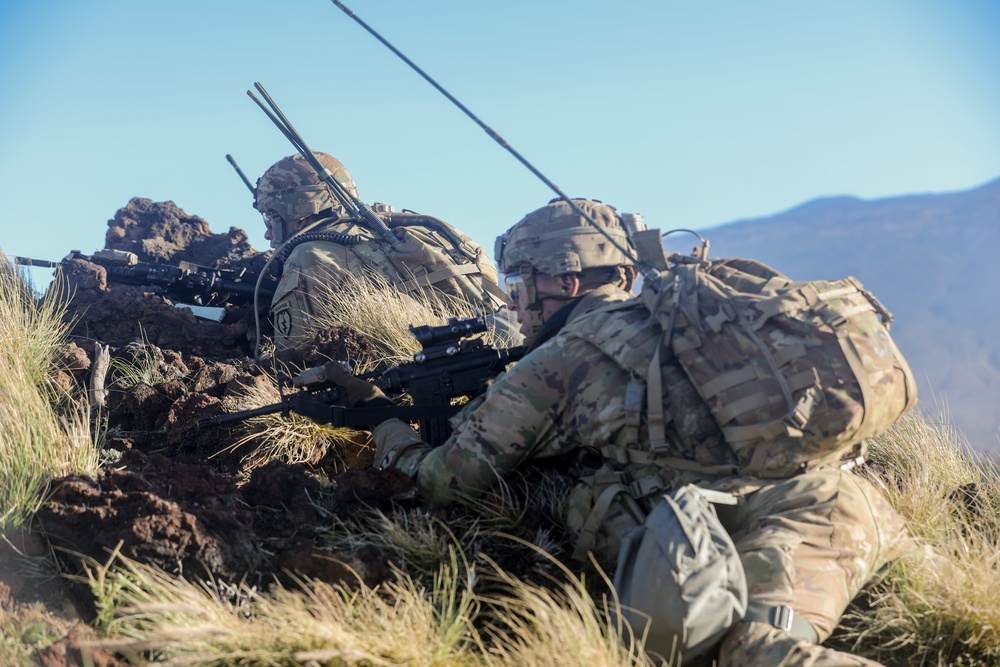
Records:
x=359, y=392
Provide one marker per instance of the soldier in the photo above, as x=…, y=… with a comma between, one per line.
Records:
x=319, y=244
x=808, y=543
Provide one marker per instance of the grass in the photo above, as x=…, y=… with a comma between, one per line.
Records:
x=26, y=629
x=443, y=622
x=294, y=439
x=44, y=430
x=143, y=366
x=315, y=624
x=382, y=314
x=455, y=599
x=940, y=606
x=44, y=433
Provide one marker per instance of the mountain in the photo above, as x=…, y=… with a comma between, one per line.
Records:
x=931, y=259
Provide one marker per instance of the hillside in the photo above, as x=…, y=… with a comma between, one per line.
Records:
x=929, y=258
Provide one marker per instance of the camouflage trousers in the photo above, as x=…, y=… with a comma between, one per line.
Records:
x=810, y=542
x=763, y=644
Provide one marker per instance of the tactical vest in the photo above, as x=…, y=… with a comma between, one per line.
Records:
x=795, y=375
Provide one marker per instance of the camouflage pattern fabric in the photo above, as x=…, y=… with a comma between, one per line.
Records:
x=798, y=374
x=426, y=258
x=810, y=541
x=307, y=270
x=765, y=645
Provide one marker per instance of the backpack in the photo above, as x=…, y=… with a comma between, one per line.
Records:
x=431, y=253
x=796, y=375
x=447, y=259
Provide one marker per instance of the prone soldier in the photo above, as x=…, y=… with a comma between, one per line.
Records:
x=804, y=543
x=321, y=245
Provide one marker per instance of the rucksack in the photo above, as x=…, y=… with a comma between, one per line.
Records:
x=434, y=253
x=431, y=253
x=796, y=375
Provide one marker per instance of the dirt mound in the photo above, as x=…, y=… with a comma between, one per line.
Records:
x=181, y=518
x=205, y=503
x=190, y=520
x=105, y=309
x=172, y=495
x=162, y=232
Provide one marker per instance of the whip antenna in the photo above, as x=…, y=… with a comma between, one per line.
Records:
x=354, y=206
x=242, y=176
x=648, y=272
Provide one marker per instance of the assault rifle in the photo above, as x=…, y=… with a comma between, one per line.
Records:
x=450, y=364
x=184, y=283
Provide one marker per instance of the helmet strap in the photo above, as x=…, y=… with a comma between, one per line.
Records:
x=278, y=232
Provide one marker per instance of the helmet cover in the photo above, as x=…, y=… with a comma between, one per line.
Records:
x=556, y=240
x=292, y=189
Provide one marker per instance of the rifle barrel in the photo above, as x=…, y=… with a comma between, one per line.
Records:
x=226, y=418
x=27, y=261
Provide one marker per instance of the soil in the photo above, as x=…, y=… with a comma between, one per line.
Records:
x=173, y=495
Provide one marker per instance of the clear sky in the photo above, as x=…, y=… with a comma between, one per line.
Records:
x=694, y=113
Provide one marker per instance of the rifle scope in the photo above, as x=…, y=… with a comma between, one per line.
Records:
x=456, y=329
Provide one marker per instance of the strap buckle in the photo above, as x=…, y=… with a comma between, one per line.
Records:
x=781, y=617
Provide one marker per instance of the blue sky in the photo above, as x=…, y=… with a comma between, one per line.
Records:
x=693, y=113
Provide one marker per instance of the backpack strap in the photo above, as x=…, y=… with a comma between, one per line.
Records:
x=444, y=273
x=608, y=485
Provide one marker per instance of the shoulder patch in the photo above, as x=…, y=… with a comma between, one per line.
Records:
x=282, y=319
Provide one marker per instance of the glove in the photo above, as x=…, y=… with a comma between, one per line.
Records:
x=359, y=392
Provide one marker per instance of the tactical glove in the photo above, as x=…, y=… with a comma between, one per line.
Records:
x=360, y=393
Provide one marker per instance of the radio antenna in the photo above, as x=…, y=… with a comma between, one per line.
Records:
x=648, y=272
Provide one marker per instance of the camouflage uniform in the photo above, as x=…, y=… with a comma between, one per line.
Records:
x=314, y=267
x=809, y=542
x=328, y=251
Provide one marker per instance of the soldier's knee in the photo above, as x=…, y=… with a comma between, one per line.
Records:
x=752, y=644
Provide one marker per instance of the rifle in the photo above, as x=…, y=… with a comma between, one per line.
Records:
x=449, y=365
x=184, y=283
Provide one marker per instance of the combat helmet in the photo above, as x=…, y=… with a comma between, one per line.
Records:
x=556, y=240
x=292, y=190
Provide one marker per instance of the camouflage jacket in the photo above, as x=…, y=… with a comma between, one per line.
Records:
x=431, y=254
x=563, y=397
x=567, y=398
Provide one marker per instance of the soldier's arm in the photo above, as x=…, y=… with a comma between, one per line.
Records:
x=519, y=418
x=310, y=276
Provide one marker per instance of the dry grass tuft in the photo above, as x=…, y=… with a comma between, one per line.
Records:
x=940, y=606
x=295, y=439
x=383, y=315
x=44, y=430
x=148, y=612
x=318, y=624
